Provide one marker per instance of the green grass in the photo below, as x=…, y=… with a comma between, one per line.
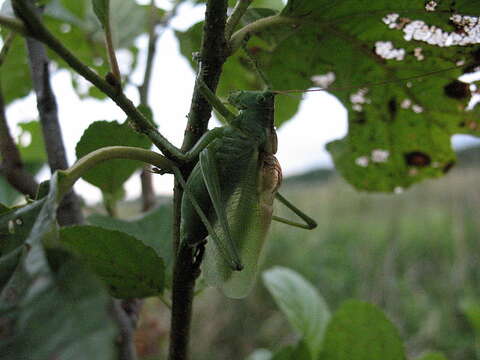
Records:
x=415, y=254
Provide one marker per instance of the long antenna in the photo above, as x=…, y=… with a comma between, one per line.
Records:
x=379, y=83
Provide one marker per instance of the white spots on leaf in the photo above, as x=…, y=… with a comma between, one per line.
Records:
x=323, y=81
x=376, y=156
x=362, y=161
x=460, y=62
x=436, y=164
x=408, y=104
x=11, y=227
x=398, y=190
x=380, y=156
x=98, y=61
x=25, y=138
x=386, y=50
x=418, y=53
x=12, y=223
x=417, y=109
x=431, y=6
x=65, y=28
x=358, y=99
x=409, y=84
x=467, y=30
x=391, y=20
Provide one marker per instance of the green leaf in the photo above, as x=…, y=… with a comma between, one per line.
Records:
x=44, y=303
x=130, y=268
x=154, y=229
x=471, y=310
x=16, y=225
x=102, y=10
x=15, y=72
x=237, y=73
x=110, y=176
x=301, y=303
x=62, y=316
x=360, y=331
x=8, y=195
x=432, y=356
x=399, y=131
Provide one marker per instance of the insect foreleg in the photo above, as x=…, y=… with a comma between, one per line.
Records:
x=309, y=224
x=203, y=142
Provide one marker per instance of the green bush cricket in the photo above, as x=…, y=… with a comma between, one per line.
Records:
x=230, y=193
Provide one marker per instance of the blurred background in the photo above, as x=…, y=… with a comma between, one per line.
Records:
x=414, y=254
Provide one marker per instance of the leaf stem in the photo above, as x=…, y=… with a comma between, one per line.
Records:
x=187, y=262
x=96, y=157
x=239, y=36
x=69, y=211
x=237, y=14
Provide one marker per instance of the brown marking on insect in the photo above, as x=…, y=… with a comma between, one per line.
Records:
x=417, y=158
x=457, y=90
x=448, y=166
x=272, y=173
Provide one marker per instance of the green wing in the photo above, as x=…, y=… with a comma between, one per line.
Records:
x=225, y=244
x=249, y=217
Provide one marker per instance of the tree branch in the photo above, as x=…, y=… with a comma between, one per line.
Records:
x=188, y=260
x=148, y=192
x=69, y=211
x=12, y=165
x=239, y=36
x=35, y=29
x=237, y=13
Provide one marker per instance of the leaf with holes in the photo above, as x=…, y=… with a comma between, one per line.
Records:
x=398, y=82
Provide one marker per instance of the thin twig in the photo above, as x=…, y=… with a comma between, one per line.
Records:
x=69, y=211
x=12, y=165
x=35, y=28
x=237, y=14
x=148, y=192
x=187, y=263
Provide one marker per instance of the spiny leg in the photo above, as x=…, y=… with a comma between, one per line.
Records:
x=309, y=224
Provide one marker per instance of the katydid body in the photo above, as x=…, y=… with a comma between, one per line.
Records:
x=234, y=183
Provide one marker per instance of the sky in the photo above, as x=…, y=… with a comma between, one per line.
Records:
x=322, y=118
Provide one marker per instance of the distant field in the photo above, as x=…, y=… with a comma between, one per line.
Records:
x=416, y=255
